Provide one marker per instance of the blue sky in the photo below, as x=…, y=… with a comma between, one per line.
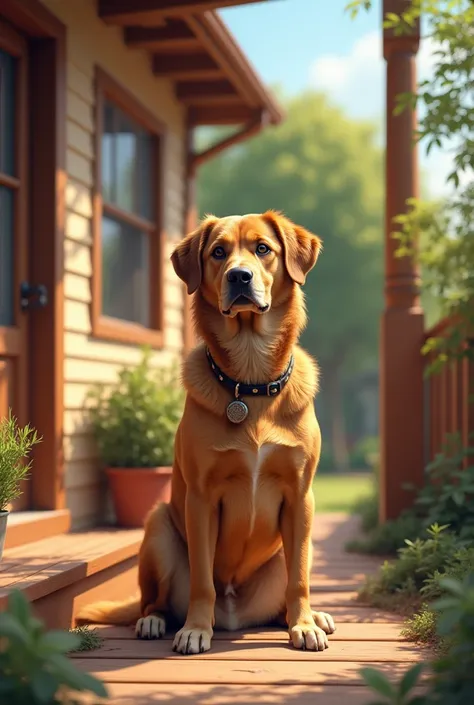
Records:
x=314, y=43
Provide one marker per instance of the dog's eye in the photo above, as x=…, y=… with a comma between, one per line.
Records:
x=262, y=249
x=218, y=253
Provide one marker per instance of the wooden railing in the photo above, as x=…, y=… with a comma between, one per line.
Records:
x=449, y=406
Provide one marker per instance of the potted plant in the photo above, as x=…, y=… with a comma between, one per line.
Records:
x=15, y=446
x=134, y=424
x=34, y=666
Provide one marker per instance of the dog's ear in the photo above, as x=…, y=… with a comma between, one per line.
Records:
x=300, y=247
x=187, y=255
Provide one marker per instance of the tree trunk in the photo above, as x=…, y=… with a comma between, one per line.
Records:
x=332, y=385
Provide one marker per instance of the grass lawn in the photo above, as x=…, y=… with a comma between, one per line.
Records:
x=338, y=493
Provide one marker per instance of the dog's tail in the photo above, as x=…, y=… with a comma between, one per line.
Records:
x=108, y=612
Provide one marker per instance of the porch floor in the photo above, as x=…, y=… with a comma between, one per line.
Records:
x=259, y=665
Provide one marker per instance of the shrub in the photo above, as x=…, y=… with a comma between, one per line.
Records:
x=448, y=495
x=33, y=663
x=398, y=583
x=15, y=446
x=135, y=423
x=423, y=625
x=89, y=639
x=452, y=681
x=447, y=498
x=368, y=510
x=386, y=539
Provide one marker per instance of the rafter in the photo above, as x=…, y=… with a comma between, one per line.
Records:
x=207, y=93
x=186, y=67
x=219, y=115
x=175, y=36
x=141, y=12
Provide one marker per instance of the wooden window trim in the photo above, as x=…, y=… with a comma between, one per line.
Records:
x=105, y=327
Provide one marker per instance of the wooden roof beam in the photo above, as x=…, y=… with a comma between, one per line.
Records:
x=186, y=67
x=174, y=36
x=207, y=93
x=219, y=115
x=149, y=12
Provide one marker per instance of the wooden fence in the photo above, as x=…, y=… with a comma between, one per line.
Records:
x=449, y=403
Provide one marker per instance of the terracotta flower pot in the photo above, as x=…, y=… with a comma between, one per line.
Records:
x=3, y=530
x=135, y=491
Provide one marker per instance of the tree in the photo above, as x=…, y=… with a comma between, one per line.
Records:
x=325, y=172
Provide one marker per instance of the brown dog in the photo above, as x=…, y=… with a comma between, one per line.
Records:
x=233, y=548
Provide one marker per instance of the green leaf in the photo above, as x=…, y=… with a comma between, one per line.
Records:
x=447, y=622
x=72, y=677
x=8, y=684
x=453, y=586
x=60, y=641
x=44, y=686
x=11, y=628
x=378, y=682
x=410, y=679
x=19, y=607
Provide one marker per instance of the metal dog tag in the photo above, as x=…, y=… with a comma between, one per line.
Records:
x=237, y=411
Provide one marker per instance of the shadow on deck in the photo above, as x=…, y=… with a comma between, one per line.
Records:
x=259, y=665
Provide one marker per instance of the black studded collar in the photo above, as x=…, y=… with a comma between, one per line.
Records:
x=239, y=389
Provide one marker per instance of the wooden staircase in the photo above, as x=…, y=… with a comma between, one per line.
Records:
x=60, y=573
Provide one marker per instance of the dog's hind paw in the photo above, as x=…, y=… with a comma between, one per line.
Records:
x=151, y=627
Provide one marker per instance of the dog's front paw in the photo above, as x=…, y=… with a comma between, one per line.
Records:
x=325, y=621
x=192, y=641
x=308, y=636
x=151, y=627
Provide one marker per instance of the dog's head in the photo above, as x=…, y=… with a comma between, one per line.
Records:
x=246, y=263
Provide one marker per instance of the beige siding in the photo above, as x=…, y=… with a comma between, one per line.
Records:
x=89, y=43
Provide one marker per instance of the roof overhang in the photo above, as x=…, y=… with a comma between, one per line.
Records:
x=190, y=44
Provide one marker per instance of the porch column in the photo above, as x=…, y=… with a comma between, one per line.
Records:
x=190, y=221
x=401, y=365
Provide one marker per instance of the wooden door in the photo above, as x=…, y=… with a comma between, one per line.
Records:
x=13, y=228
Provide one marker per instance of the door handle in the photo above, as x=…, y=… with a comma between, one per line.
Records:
x=33, y=296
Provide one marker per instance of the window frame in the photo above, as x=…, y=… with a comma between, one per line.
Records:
x=103, y=326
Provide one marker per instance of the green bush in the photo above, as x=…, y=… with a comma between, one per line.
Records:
x=135, y=423
x=368, y=510
x=447, y=498
x=448, y=495
x=33, y=663
x=452, y=673
x=15, y=446
x=398, y=583
x=422, y=626
x=89, y=638
x=386, y=539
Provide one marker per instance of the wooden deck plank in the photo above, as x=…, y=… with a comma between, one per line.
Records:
x=346, y=631
x=259, y=650
x=202, y=671
x=142, y=694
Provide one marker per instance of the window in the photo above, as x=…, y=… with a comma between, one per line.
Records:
x=127, y=295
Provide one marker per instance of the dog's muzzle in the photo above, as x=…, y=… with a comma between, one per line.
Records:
x=241, y=291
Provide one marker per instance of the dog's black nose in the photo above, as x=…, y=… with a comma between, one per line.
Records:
x=239, y=275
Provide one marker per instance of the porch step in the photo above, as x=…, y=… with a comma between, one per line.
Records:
x=61, y=574
x=25, y=527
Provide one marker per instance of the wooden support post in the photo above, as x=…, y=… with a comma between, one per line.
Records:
x=190, y=221
x=401, y=388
